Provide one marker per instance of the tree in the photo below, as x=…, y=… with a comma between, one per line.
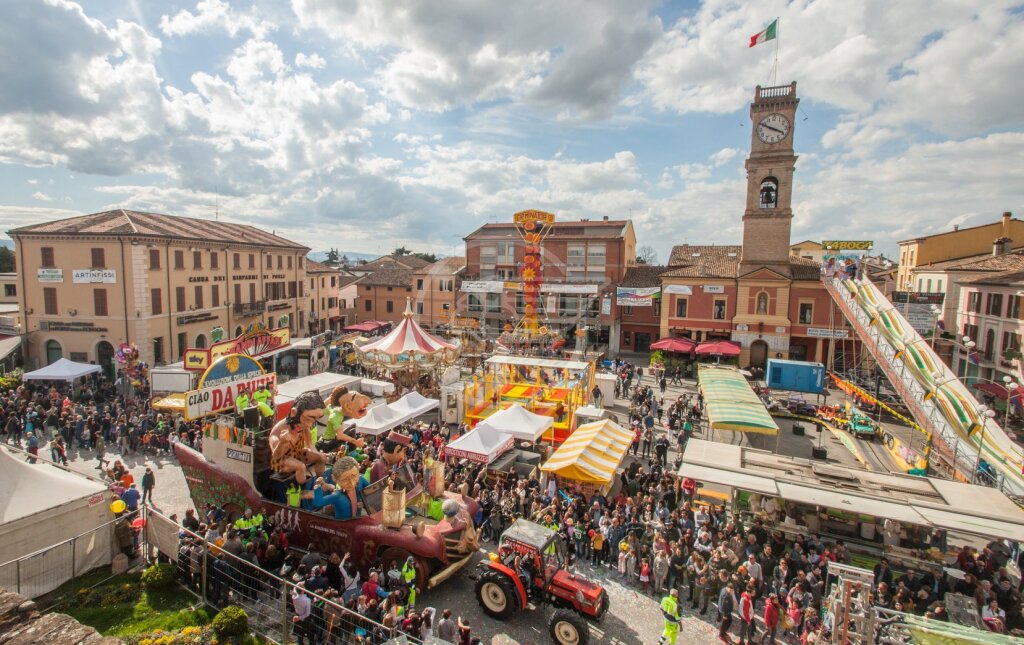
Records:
x=6, y=260
x=400, y=251
x=332, y=256
x=428, y=257
x=646, y=255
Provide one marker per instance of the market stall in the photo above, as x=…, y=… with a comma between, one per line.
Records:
x=589, y=457
x=482, y=445
x=62, y=370
x=730, y=402
x=517, y=421
x=414, y=404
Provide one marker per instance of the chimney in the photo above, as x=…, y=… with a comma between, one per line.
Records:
x=1002, y=246
x=606, y=218
x=1007, y=215
x=956, y=227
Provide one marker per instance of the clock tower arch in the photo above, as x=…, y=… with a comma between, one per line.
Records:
x=769, y=213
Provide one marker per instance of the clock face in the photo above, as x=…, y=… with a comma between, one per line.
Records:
x=773, y=128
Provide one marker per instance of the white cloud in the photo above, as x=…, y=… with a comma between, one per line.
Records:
x=41, y=196
x=215, y=14
x=575, y=54
x=313, y=61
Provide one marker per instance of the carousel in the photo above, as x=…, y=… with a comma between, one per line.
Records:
x=412, y=358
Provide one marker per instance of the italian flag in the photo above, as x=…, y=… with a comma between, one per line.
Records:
x=767, y=34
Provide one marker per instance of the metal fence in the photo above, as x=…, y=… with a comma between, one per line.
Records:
x=41, y=572
x=272, y=602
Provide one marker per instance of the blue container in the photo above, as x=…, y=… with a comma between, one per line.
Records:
x=795, y=376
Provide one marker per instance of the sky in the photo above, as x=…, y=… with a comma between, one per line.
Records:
x=368, y=125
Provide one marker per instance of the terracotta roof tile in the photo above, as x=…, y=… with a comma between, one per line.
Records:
x=388, y=276
x=643, y=275
x=1005, y=279
x=156, y=225
x=690, y=261
x=561, y=229
x=804, y=269
x=312, y=266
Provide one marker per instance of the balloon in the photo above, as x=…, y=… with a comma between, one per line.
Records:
x=118, y=506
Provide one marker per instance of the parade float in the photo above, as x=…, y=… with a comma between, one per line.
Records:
x=234, y=472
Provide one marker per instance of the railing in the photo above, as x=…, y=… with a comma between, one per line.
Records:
x=219, y=579
x=249, y=308
x=778, y=91
x=48, y=568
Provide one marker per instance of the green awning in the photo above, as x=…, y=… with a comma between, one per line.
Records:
x=731, y=404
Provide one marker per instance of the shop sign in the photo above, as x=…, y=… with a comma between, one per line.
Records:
x=606, y=306
x=256, y=343
x=205, y=316
x=678, y=289
x=51, y=275
x=219, y=398
x=821, y=332
x=59, y=325
x=94, y=276
x=531, y=217
x=920, y=297
x=847, y=245
x=482, y=286
x=714, y=288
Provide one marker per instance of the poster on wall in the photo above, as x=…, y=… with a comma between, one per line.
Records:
x=841, y=257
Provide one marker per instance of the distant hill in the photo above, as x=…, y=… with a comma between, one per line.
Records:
x=320, y=256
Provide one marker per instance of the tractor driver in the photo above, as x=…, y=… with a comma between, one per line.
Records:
x=291, y=449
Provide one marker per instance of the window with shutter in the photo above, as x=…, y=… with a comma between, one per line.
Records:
x=199, y=296
x=98, y=259
x=50, y=301
x=154, y=259
x=197, y=259
x=156, y=301
x=215, y=295
x=179, y=259
x=179, y=296
x=46, y=256
x=99, y=301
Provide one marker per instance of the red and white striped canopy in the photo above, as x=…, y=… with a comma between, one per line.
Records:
x=408, y=336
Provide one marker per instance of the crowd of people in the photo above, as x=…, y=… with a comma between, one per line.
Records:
x=652, y=533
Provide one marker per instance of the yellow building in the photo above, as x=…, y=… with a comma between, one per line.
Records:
x=808, y=250
x=87, y=284
x=958, y=243
x=324, y=288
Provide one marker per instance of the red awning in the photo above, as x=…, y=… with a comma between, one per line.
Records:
x=369, y=325
x=997, y=390
x=718, y=348
x=680, y=345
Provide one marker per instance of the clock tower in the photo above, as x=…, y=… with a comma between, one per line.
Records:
x=769, y=212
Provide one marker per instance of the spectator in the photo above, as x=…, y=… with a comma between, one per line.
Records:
x=148, y=482
x=447, y=630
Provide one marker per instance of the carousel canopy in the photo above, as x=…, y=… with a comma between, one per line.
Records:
x=408, y=344
x=518, y=422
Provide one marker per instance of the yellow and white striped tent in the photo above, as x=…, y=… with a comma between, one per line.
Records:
x=592, y=453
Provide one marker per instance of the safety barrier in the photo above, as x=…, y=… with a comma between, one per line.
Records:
x=220, y=579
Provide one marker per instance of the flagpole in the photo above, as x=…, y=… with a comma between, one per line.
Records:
x=775, y=66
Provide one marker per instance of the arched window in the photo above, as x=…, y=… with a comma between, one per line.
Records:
x=238, y=331
x=762, y=303
x=990, y=344
x=54, y=352
x=201, y=341
x=769, y=192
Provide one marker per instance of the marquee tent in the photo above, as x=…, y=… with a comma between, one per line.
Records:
x=62, y=370
x=379, y=420
x=482, y=445
x=414, y=404
x=591, y=454
x=519, y=422
x=43, y=505
x=731, y=404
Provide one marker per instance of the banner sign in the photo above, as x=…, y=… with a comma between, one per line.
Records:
x=919, y=315
x=219, y=398
x=713, y=288
x=637, y=296
x=239, y=455
x=919, y=298
x=94, y=276
x=587, y=289
x=606, y=306
x=847, y=245
x=257, y=342
x=51, y=275
x=482, y=286
x=678, y=289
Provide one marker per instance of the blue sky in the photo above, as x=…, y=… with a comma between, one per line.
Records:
x=371, y=125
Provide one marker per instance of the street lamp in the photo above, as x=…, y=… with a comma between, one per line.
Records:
x=985, y=413
x=935, y=326
x=1011, y=387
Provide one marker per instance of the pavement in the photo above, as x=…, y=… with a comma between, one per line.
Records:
x=633, y=616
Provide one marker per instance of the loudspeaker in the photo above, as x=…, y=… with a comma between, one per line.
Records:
x=251, y=417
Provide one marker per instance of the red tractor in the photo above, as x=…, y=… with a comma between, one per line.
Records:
x=530, y=567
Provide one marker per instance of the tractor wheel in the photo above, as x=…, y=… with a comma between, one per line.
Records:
x=569, y=628
x=497, y=595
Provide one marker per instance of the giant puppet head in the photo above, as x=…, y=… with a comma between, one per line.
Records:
x=305, y=410
x=352, y=404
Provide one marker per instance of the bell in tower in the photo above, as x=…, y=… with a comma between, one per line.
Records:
x=768, y=216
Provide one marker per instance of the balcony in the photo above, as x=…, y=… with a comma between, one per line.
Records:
x=249, y=308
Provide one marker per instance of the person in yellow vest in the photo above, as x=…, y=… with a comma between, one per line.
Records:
x=409, y=575
x=242, y=401
x=670, y=612
x=264, y=400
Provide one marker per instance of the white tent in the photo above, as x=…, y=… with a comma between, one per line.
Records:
x=42, y=505
x=414, y=404
x=323, y=383
x=62, y=370
x=482, y=445
x=519, y=422
x=379, y=420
